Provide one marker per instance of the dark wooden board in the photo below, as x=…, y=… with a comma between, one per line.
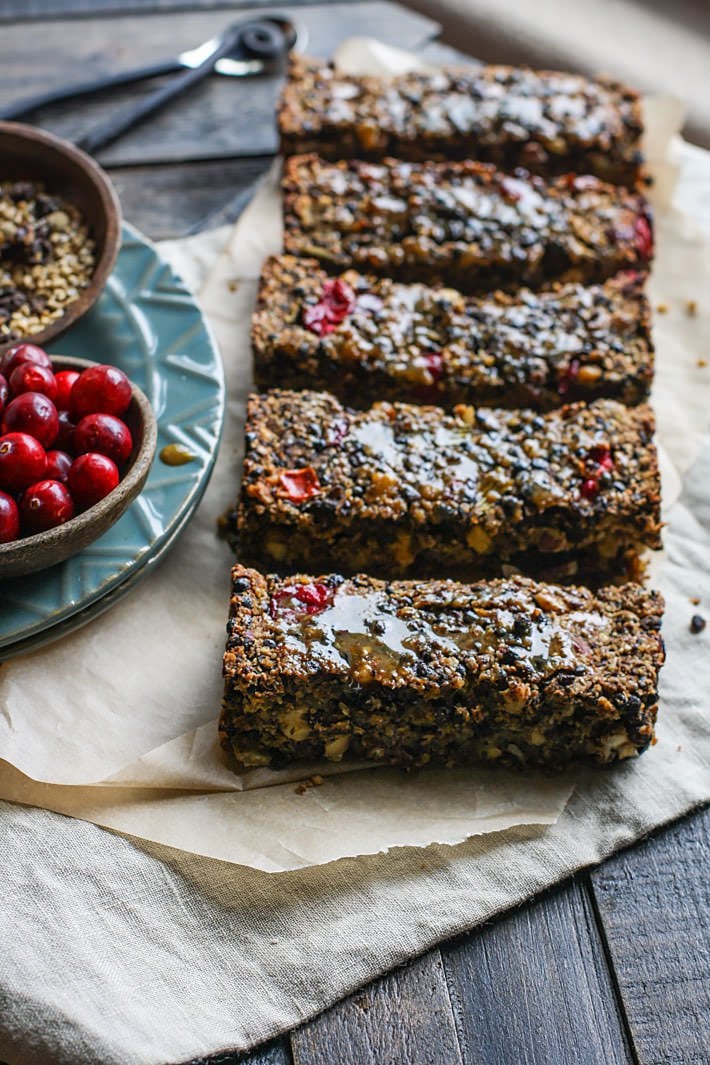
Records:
x=534, y=988
x=176, y=201
x=35, y=10
x=277, y=1052
x=220, y=118
x=404, y=1019
x=654, y=904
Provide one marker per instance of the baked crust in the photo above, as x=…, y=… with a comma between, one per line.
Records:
x=464, y=224
x=409, y=673
x=547, y=121
x=419, y=344
x=399, y=489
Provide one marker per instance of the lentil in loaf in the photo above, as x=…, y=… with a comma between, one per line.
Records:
x=408, y=673
x=365, y=338
x=463, y=224
x=547, y=121
x=400, y=489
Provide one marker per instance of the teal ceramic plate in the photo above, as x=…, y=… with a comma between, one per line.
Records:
x=147, y=323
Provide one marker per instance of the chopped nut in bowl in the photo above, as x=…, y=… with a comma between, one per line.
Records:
x=77, y=440
x=60, y=226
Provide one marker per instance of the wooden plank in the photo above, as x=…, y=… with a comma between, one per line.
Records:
x=403, y=1019
x=534, y=988
x=653, y=901
x=172, y=201
x=275, y=1053
x=30, y=10
x=220, y=118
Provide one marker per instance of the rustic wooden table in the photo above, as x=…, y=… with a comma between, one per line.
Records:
x=612, y=966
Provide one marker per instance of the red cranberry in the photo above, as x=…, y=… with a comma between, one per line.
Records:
x=31, y=377
x=568, y=377
x=9, y=519
x=434, y=362
x=23, y=460
x=100, y=389
x=65, y=433
x=339, y=296
x=58, y=463
x=91, y=477
x=45, y=505
x=314, y=597
x=337, y=301
x=4, y=393
x=23, y=353
x=32, y=413
x=628, y=280
x=299, y=485
x=590, y=488
x=103, y=433
x=317, y=318
x=644, y=236
x=601, y=454
x=65, y=380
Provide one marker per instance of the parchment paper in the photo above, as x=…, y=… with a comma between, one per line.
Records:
x=116, y=723
x=131, y=701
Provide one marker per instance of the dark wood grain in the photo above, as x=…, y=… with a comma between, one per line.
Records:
x=534, y=988
x=34, y=10
x=277, y=1052
x=175, y=201
x=654, y=902
x=404, y=1019
x=220, y=118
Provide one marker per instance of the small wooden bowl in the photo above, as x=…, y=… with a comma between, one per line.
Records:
x=30, y=154
x=33, y=553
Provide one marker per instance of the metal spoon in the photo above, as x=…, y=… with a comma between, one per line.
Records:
x=230, y=65
x=238, y=37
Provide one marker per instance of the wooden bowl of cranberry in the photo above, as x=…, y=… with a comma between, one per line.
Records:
x=77, y=440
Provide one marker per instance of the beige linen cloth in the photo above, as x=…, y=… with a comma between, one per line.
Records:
x=122, y=951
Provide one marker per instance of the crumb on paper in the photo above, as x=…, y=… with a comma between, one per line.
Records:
x=306, y=785
x=697, y=623
x=695, y=600
x=662, y=308
x=691, y=308
x=702, y=363
x=233, y=285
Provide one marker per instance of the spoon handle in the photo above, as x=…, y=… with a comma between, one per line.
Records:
x=107, y=132
x=86, y=88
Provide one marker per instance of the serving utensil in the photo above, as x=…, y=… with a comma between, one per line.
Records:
x=250, y=56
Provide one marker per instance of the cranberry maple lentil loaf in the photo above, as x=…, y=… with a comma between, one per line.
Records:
x=400, y=489
x=364, y=338
x=549, y=122
x=464, y=224
x=408, y=673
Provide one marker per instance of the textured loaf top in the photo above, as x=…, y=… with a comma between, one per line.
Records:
x=463, y=223
x=547, y=121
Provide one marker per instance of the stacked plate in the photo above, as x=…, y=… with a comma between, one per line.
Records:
x=147, y=323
